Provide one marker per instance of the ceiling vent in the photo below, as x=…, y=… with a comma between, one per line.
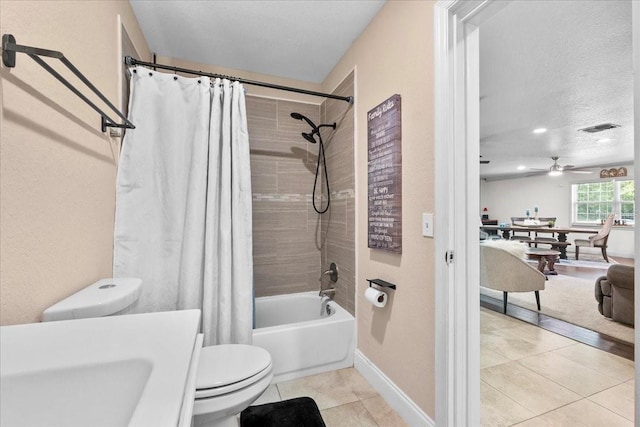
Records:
x=599, y=128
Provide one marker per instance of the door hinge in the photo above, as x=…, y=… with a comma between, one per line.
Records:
x=448, y=257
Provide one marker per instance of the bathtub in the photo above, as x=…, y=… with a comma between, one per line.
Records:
x=301, y=337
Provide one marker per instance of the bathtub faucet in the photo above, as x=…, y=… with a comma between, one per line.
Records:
x=332, y=271
x=333, y=274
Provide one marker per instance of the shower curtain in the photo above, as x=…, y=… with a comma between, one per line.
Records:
x=183, y=202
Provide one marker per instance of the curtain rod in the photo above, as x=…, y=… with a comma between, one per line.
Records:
x=132, y=61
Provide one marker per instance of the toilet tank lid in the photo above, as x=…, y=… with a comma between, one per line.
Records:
x=102, y=298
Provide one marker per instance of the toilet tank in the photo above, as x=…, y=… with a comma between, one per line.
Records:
x=103, y=298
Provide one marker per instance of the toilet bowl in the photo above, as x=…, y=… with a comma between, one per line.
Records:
x=229, y=378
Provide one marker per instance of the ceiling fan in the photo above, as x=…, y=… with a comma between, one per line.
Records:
x=557, y=169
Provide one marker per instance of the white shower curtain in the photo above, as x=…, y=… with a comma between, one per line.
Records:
x=183, y=202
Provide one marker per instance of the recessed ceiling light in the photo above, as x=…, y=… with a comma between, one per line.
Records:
x=604, y=140
x=540, y=130
x=521, y=167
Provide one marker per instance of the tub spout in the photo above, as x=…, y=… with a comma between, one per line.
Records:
x=329, y=293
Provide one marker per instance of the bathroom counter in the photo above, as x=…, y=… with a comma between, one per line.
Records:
x=131, y=370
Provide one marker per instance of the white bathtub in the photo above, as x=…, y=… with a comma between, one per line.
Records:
x=302, y=339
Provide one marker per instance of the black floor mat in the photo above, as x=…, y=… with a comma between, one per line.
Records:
x=298, y=412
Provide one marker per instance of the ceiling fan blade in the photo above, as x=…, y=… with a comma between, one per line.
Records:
x=578, y=171
x=540, y=170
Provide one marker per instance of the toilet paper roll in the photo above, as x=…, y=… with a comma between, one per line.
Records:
x=375, y=297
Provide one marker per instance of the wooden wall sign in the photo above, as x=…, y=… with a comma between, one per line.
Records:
x=384, y=137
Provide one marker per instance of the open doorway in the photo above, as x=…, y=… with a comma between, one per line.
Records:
x=457, y=133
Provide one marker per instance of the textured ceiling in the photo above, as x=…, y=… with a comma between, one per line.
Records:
x=562, y=65
x=301, y=39
x=559, y=65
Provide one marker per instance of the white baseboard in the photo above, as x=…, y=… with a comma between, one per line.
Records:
x=396, y=398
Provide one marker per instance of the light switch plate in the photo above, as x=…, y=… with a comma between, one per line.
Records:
x=427, y=224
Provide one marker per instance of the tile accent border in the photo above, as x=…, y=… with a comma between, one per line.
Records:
x=396, y=398
x=275, y=197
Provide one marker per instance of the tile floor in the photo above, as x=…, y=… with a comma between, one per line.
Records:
x=344, y=398
x=530, y=377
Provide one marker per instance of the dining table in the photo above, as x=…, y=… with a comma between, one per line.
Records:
x=562, y=232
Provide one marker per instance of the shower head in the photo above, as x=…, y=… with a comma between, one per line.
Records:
x=315, y=130
x=309, y=136
x=299, y=116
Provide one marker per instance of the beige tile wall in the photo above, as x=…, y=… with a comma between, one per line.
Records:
x=292, y=244
x=286, y=249
x=338, y=224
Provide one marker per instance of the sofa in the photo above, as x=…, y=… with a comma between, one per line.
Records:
x=615, y=292
x=503, y=268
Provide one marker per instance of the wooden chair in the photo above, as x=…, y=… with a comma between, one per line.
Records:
x=520, y=237
x=539, y=239
x=597, y=241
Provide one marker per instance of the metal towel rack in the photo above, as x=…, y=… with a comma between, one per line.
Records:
x=9, y=49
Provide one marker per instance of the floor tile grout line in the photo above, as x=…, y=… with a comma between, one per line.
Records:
x=278, y=391
x=580, y=397
x=554, y=353
x=619, y=382
x=507, y=397
x=604, y=407
x=351, y=403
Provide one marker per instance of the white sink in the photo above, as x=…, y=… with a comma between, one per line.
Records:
x=112, y=371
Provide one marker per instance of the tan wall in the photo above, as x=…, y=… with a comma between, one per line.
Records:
x=338, y=223
x=395, y=55
x=57, y=169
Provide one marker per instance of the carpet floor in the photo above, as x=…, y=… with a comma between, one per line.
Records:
x=572, y=300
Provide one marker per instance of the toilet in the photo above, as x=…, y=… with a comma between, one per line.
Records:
x=230, y=377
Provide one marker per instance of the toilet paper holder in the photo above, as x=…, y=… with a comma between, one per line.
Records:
x=381, y=282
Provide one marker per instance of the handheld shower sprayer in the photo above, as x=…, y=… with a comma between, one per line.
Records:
x=299, y=116
x=310, y=136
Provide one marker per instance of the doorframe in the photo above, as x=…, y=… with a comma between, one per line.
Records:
x=457, y=305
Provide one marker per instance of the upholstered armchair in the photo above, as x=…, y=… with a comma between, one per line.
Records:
x=597, y=241
x=615, y=293
x=503, y=268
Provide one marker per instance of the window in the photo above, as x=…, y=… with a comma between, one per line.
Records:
x=594, y=201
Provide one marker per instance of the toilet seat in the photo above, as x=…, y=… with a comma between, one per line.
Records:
x=230, y=367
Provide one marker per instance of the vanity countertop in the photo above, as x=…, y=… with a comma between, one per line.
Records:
x=129, y=370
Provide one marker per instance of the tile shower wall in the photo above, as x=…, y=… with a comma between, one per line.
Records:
x=292, y=244
x=286, y=230
x=338, y=224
